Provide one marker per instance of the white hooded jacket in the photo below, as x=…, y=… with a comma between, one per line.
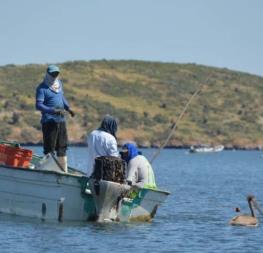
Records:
x=100, y=143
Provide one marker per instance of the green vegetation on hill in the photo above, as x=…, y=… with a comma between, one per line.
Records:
x=146, y=97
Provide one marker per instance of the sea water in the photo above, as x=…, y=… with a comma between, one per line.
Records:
x=205, y=189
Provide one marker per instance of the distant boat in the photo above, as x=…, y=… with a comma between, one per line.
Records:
x=204, y=148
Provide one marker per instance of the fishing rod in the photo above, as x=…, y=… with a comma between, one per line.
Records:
x=175, y=125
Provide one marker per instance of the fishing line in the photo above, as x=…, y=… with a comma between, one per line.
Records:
x=175, y=125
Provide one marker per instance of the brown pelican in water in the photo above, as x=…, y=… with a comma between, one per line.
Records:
x=244, y=219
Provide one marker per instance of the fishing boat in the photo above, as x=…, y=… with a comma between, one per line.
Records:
x=204, y=148
x=38, y=188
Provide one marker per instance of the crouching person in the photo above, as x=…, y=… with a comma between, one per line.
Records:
x=140, y=172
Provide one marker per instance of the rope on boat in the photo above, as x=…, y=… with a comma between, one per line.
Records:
x=175, y=125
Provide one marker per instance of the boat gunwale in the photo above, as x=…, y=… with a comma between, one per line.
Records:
x=43, y=171
x=68, y=174
x=149, y=189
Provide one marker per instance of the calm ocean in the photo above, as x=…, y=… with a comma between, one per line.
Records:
x=205, y=189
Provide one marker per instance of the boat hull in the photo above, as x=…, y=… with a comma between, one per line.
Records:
x=120, y=202
x=54, y=196
x=43, y=194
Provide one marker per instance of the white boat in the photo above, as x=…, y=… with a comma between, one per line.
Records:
x=206, y=148
x=115, y=200
x=46, y=193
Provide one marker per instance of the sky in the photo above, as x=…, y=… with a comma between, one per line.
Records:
x=220, y=33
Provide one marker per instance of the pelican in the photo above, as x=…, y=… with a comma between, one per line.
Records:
x=244, y=219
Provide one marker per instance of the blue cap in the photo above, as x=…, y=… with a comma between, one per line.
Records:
x=52, y=68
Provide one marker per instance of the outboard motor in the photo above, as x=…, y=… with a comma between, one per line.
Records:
x=108, y=186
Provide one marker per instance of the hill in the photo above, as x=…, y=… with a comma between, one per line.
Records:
x=146, y=97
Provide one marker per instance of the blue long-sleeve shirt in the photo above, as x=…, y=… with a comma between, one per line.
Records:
x=47, y=100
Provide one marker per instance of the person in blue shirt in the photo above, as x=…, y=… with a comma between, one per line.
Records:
x=53, y=105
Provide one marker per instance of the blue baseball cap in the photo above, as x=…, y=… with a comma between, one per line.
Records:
x=52, y=68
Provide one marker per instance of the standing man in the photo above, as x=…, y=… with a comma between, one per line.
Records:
x=102, y=141
x=51, y=102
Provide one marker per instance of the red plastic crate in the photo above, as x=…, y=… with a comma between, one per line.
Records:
x=15, y=156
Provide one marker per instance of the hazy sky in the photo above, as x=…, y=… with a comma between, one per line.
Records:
x=222, y=33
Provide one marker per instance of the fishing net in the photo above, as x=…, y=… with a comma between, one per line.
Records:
x=110, y=168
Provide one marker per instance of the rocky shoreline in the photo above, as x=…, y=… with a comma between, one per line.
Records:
x=228, y=147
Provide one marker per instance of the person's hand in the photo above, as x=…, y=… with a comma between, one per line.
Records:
x=72, y=114
x=59, y=112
